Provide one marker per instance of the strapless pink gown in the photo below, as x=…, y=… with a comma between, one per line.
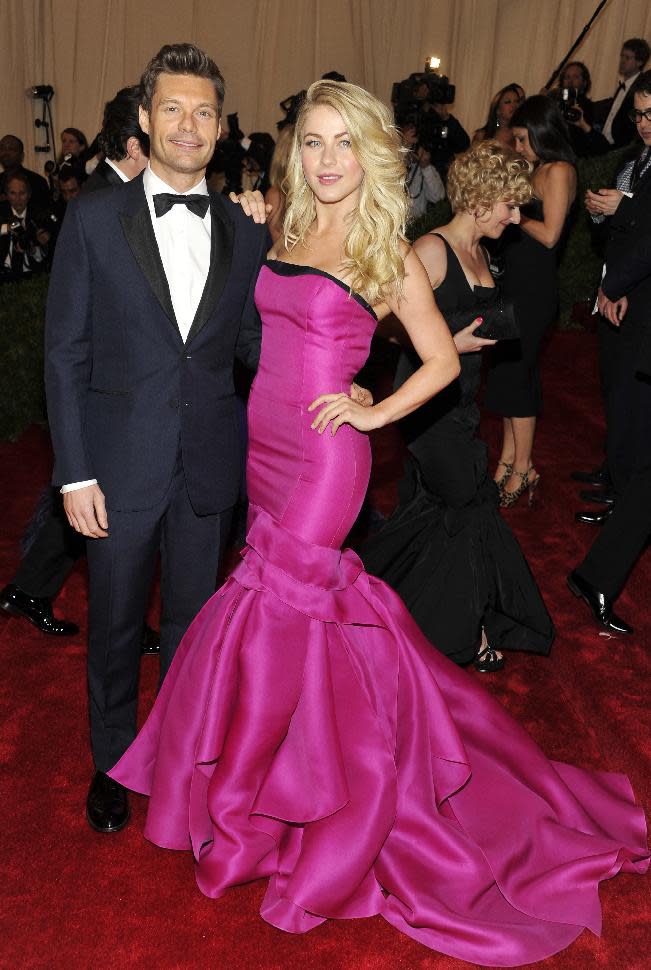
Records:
x=307, y=732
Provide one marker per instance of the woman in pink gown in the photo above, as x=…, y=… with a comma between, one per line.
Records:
x=306, y=731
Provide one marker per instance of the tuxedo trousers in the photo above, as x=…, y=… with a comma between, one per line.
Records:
x=121, y=569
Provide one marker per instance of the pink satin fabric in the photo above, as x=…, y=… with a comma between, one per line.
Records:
x=307, y=732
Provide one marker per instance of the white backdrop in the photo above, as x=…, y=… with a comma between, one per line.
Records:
x=268, y=49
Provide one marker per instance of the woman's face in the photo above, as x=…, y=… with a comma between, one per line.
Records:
x=522, y=145
x=494, y=221
x=573, y=78
x=507, y=105
x=69, y=144
x=329, y=165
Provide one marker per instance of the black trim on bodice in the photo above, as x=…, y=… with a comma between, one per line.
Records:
x=296, y=269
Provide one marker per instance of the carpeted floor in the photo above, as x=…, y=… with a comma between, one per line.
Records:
x=74, y=899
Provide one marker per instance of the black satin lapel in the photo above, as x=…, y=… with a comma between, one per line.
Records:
x=221, y=254
x=142, y=242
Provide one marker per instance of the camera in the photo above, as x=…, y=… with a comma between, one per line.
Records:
x=569, y=105
x=290, y=107
x=24, y=236
x=408, y=95
x=21, y=235
x=54, y=168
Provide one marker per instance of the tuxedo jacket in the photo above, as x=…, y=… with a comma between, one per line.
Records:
x=628, y=267
x=103, y=177
x=127, y=397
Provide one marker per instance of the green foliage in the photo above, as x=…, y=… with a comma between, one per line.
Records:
x=581, y=260
x=22, y=316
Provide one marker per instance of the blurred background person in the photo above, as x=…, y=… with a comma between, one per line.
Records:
x=530, y=281
x=578, y=110
x=618, y=128
x=73, y=142
x=275, y=195
x=497, y=125
x=12, y=153
x=423, y=182
x=25, y=231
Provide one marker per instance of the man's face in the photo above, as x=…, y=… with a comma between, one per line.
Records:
x=628, y=66
x=642, y=102
x=183, y=126
x=70, y=189
x=10, y=154
x=18, y=195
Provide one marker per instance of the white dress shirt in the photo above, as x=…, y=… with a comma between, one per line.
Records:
x=184, y=246
x=183, y=240
x=616, y=105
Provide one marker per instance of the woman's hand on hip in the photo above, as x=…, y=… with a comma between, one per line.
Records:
x=338, y=409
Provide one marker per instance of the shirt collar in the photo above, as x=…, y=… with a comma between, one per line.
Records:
x=153, y=184
x=117, y=170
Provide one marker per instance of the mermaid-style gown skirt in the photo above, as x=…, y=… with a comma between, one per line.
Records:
x=307, y=732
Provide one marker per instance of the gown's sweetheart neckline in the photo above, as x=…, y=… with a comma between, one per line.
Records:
x=297, y=269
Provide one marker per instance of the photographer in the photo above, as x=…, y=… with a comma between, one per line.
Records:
x=578, y=110
x=423, y=182
x=425, y=100
x=25, y=234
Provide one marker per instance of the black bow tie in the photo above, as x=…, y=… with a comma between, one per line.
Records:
x=164, y=201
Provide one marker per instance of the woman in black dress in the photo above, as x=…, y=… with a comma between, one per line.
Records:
x=446, y=550
x=530, y=281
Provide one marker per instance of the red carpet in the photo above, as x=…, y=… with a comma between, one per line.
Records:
x=74, y=899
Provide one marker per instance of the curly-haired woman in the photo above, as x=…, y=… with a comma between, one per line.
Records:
x=446, y=550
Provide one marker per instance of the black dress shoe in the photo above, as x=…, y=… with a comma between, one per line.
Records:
x=600, y=604
x=107, y=805
x=38, y=610
x=150, y=642
x=599, y=478
x=601, y=496
x=594, y=518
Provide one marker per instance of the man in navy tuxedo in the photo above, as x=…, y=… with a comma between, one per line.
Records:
x=150, y=302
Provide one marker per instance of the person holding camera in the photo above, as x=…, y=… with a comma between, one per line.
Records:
x=24, y=233
x=12, y=154
x=423, y=182
x=578, y=110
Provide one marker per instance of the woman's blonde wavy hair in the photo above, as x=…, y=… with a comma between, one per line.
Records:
x=374, y=244
x=486, y=174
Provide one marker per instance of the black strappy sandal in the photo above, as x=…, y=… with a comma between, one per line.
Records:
x=487, y=661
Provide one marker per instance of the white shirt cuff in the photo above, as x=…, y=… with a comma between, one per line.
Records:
x=75, y=485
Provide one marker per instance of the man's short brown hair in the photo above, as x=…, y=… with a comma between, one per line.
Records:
x=180, y=59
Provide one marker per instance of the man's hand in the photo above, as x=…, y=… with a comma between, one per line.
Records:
x=361, y=395
x=86, y=511
x=253, y=204
x=604, y=202
x=42, y=237
x=615, y=311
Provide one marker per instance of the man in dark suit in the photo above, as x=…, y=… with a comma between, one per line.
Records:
x=12, y=153
x=25, y=233
x=618, y=129
x=56, y=546
x=151, y=300
x=625, y=300
x=124, y=143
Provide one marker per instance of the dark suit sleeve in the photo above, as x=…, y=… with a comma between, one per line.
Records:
x=628, y=267
x=249, y=339
x=68, y=352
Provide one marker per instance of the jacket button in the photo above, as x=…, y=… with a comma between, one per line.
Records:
x=173, y=403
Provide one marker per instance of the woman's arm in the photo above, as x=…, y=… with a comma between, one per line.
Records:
x=433, y=343
x=557, y=191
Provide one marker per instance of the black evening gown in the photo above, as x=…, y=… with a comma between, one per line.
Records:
x=446, y=549
x=530, y=281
